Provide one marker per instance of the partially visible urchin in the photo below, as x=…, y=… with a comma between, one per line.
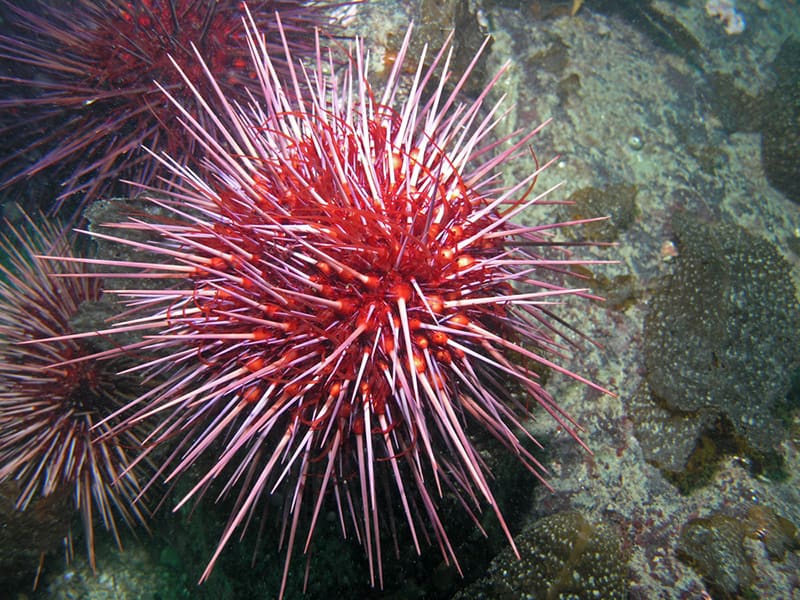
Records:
x=78, y=80
x=54, y=434
x=353, y=293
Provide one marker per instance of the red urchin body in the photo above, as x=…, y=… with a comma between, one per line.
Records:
x=78, y=80
x=352, y=294
x=53, y=434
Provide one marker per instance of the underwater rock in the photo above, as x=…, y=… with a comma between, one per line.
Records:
x=434, y=21
x=780, y=139
x=723, y=334
x=620, y=292
x=734, y=107
x=27, y=534
x=662, y=28
x=774, y=112
x=778, y=534
x=562, y=556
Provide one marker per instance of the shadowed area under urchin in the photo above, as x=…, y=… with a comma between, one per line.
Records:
x=346, y=297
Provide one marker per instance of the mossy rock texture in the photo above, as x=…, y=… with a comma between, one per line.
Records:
x=27, y=534
x=713, y=546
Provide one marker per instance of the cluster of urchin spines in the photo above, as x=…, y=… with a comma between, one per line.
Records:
x=80, y=100
x=349, y=290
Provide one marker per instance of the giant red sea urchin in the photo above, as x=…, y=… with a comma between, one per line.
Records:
x=54, y=438
x=78, y=80
x=352, y=294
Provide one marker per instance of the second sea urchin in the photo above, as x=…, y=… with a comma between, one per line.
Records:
x=77, y=81
x=55, y=438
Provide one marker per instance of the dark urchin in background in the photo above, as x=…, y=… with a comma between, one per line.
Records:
x=54, y=440
x=77, y=82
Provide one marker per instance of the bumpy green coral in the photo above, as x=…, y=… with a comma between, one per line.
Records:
x=617, y=202
x=780, y=140
x=723, y=334
x=714, y=546
x=563, y=557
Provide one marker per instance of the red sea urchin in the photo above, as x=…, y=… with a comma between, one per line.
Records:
x=352, y=294
x=54, y=436
x=78, y=80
